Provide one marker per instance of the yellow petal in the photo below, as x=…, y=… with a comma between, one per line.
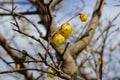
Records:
x=58, y=39
x=83, y=17
x=87, y=49
x=66, y=30
x=51, y=75
x=17, y=66
x=100, y=61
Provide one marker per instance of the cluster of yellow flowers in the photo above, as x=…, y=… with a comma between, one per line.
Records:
x=51, y=75
x=63, y=34
x=101, y=61
x=65, y=31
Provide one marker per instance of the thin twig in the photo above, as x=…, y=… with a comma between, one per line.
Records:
x=5, y=62
x=38, y=40
x=110, y=23
x=65, y=49
x=21, y=3
x=104, y=41
x=25, y=69
x=20, y=15
x=26, y=54
x=17, y=25
x=101, y=55
x=61, y=56
x=24, y=62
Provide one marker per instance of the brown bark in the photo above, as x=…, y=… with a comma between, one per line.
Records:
x=14, y=56
x=74, y=50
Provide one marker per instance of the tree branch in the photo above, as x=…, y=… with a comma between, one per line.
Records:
x=82, y=43
x=70, y=65
x=22, y=13
x=13, y=55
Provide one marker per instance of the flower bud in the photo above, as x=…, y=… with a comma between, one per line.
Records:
x=66, y=30
x=57, y=39
x=83, y=17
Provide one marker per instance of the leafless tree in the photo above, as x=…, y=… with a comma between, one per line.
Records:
x=61, y=59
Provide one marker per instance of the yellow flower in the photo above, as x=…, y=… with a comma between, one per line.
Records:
x=87, y=49
x=17, y=66
x=100, y=61
x=57, y=39
x=51, y=75
x=66, y=30
x=83, y=17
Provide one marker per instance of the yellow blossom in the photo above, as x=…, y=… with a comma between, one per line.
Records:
x=83, y=17
x=100, y=61
x=17, y=66
x=87, y=49
x=66, y=30
x=57, y=39
x=51, y=75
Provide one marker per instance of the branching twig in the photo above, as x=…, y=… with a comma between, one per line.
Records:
x=25, y=69
x=7, y=2
x=101, y=55
x=104, y=44
x=5, y=62
x=20, y=15
x=26, y=53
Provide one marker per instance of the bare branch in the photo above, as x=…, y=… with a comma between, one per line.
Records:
x=21, y=3
x=17, y=14
x=76, y=48
x=12, y=54
x=82, y=43
x=22, y=13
